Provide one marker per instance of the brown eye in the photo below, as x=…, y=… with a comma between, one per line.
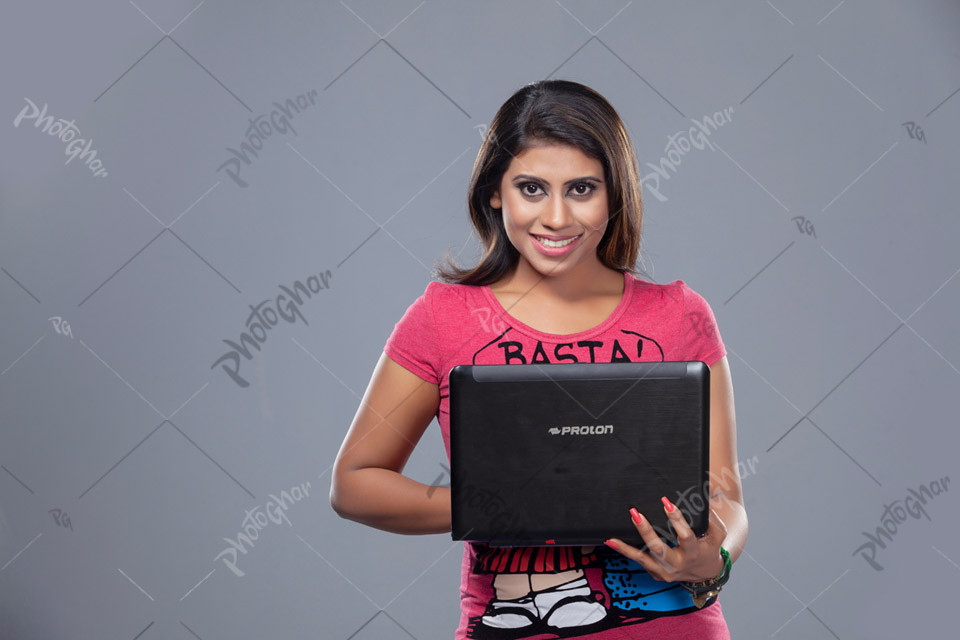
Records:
x=589, y=188
x=526, y=185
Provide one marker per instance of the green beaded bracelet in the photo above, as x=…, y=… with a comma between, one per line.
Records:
x=705, y=589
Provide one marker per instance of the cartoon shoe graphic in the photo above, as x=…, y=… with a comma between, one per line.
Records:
x=569, y=605
x=510, y=614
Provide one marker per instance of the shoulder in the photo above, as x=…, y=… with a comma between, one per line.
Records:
x=685, y=294
x=437, y=292
x=446, y=294
x=676, y=296
x=696, y=312
x=667, y=292
x=449, y=302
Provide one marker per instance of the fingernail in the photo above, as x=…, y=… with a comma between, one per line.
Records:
x=666, y=503
x=611, y=544
x=635, y=515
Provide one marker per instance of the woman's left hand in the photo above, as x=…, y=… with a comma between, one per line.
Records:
x=692, y=560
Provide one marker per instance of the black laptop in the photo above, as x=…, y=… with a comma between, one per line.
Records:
x=556, y=454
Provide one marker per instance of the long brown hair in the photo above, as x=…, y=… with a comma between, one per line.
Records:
x=552, y=112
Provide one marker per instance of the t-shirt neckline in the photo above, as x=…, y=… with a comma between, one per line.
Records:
x=628, y=287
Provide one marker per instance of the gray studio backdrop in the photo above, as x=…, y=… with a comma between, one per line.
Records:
x=170, y=169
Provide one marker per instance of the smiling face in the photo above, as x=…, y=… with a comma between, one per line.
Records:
x=554, y=202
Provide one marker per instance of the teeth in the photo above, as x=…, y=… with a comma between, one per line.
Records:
x=555, y=243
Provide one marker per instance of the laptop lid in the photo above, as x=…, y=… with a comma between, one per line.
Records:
x=544, y=454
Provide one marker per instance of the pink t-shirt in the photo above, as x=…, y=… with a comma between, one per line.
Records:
x=608, y=597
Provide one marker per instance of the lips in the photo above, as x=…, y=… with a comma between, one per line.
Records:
x=565, y=240
x=555, y=238
x=568, y=245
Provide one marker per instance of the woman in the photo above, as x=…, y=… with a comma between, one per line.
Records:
x=555, y=200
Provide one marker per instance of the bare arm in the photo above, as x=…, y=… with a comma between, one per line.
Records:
x=367, y=485
x=724, y=472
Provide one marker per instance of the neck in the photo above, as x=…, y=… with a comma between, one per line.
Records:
x=587, y=279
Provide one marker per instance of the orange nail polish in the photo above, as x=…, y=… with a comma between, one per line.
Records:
x=636, y=516
x=666, y=503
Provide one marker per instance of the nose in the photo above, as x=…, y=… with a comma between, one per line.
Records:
x=557, y=215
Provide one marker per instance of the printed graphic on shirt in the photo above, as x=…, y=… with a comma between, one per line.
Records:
x=504, y=350
x=559, y=592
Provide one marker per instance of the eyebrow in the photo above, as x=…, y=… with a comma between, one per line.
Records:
x=524, y=176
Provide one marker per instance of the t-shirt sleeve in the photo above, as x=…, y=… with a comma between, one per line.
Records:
x=414, y=342
x=699, y=335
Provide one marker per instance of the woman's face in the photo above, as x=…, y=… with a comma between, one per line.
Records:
x=556, y=191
